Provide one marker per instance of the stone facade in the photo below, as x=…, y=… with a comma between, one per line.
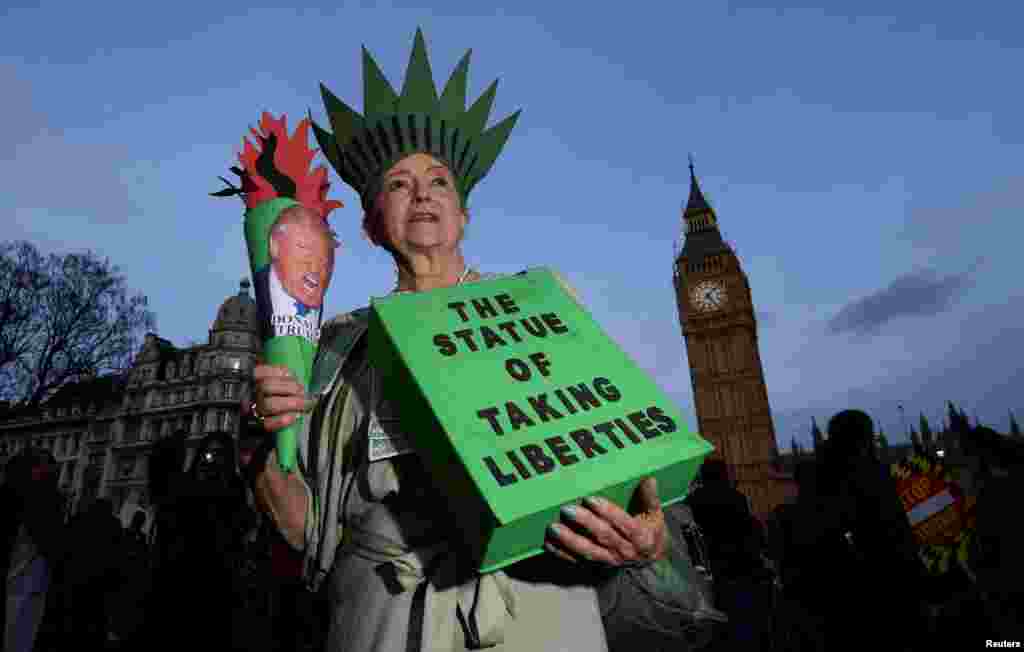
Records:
x=101, y=430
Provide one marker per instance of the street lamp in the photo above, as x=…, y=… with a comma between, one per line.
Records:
x=903, y=417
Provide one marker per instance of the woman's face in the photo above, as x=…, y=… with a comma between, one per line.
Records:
x=419, y=208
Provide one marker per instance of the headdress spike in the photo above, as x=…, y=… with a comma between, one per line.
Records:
x=488, y=146
x=345, y=121
x=475, y=119
x=328, y=146
x=419, y=95
x=453, y=98
x=379, y=98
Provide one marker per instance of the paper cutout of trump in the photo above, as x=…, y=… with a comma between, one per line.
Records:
x=301, y=248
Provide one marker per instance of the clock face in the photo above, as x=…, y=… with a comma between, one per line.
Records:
x=708, y=295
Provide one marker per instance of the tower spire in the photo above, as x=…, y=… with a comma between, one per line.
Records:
x=702, y=237
x=696, y=205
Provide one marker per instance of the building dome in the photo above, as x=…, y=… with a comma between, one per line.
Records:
x=238, y=312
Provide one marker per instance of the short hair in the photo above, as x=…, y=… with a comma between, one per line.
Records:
x=850, y=434
x=284, y=219
x=715, y=472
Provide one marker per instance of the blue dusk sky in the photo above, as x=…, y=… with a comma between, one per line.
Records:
x=864, y=160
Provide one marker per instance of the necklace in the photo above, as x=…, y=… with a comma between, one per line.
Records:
x=462, y=279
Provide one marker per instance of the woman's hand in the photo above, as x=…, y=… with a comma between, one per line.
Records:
x=279, y=397
x=600, y=531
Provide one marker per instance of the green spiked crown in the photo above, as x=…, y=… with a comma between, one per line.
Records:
x=394, y=126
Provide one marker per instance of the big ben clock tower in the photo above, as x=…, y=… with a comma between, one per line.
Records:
x=717, y=316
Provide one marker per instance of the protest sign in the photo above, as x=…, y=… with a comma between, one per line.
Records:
x=519, y=403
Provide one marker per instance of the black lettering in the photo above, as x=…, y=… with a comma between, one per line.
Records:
x=540, y=462
x=507, y=304
x=518, y=369
x=516, y=416
x=484, y=308
x=586, y=442
x=491, y=338
x=504, y=479
x=444, y=344
x=568, y=406
x=561, y=451
x=516, y=462
x=537, y=329
x=540, y=360
x=491, y=414
x=545, y=412
x=608, y=392
x=460, y=307
x=466, y=335
x=626, y=431
x=665, y=423
x=643, y=424
x=606, y=430
x=583, y=396
x=554, y=323
x=510, y=328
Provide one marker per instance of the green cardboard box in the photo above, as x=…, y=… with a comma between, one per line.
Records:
x=519, y=404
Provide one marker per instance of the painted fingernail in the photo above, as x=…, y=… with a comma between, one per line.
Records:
x=595, y=501
x=569, y=511
x=555, y=529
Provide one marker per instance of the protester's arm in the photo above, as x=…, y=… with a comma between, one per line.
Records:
x=286, y=498
x=280, y=399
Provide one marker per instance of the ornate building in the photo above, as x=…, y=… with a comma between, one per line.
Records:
x=102, y=430
x=716, y=312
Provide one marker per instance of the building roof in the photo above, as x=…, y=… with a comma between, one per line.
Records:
x=238, y=312
x=99, y=391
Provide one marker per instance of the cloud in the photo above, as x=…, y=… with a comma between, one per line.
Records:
x=63, y=171
x=918, y=293
x=979, y=373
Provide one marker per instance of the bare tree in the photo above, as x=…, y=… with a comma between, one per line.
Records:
x=72, y=317
x=22, y=278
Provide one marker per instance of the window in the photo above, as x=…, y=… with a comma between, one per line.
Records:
x=229, y=390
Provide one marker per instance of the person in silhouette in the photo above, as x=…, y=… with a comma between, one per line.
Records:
x=742, y=586
x=880, y=571
x=31, y=525
x=997, y=561
x=94, y=572
x=804, y=563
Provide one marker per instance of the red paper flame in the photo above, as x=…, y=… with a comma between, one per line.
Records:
x=292, y=158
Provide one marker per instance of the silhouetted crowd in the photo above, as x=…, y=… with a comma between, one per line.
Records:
x=209, y=571
x=837, y=568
